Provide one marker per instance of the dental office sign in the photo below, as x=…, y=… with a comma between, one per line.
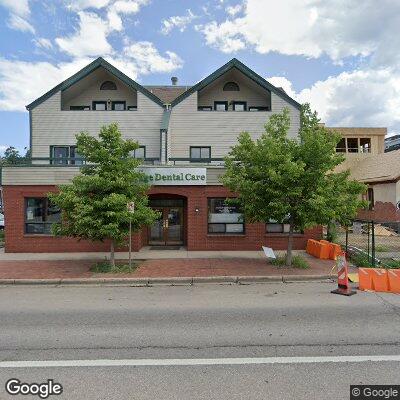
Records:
x=176, y=176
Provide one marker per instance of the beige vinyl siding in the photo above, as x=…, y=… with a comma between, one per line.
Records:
x=385, y=192
x=51, y=126
x=189, y=127
x=57, y=175
x=88, y=90
x=250, y=92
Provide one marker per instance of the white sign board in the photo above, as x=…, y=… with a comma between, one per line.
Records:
x=269, y=253
x=175, y=176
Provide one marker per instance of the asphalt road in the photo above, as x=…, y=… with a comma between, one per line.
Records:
x=289, y=327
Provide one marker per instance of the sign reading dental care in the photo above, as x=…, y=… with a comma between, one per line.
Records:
x=175, y=176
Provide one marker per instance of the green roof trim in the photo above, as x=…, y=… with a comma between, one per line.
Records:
x=235, y=63
x=99, y=62
x=165, y=120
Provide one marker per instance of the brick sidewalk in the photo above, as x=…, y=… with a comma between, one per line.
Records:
x=200, y=267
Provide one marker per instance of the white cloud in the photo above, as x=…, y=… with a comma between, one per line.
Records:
x=90, y=39
x=129, y=6
x=17, y=7
x=20, y=24
x=43, y=43
x=233, y=10
x=222, y=36
x=359, y=98
x=177, y=21
x=147, y=58
x=78, y=5
x=312, y=28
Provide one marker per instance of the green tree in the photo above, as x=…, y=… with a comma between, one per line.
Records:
x=291, y=180
x=94, y=205
x=11, y=156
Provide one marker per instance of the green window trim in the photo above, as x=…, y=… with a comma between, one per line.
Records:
x=114, y=103
x=79, y=108
x=94, y=103
x=243, y=103
x=70, y=155
x=201, y=150
x=217, y=103
x=140, y=148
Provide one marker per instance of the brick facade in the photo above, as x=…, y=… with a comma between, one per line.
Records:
x=196, y=235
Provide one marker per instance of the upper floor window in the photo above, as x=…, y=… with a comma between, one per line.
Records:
x=239, y=106
x=220, y=105
x=118, y=105
x=200, y=153
x=40, y=214
x=231, y=87
x=79, y=108
x=139, y=152
x=108, y=85
x=99, y=105
x=365, y=145
x=65, y=155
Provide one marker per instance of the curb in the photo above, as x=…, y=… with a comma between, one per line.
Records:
x=173, y=281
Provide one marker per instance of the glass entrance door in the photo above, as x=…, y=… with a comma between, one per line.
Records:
x=168, y=229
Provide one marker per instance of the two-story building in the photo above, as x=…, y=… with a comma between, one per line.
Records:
x=183, y=132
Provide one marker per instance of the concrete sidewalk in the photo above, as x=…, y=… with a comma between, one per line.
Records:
x=175, y=270
x=144, y=254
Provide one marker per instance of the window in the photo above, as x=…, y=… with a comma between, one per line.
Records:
x=231, y=87
x=220, y=105
x=239, y=106
x=139, y=153
x=200, y=152
x=108, y=85
x=341, y=146
x=370, y=198
x=205, y=108
x=224, y=218
x=79, y=108
x=118, y=105
x=64, y=155
x=274, y=227
x=258, y=108
x=60, y=155
x=99, y=105
x=132, y=108
x=40, y=214
x=352, y=145
x=365, y=145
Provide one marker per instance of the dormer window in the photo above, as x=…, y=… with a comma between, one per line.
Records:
x=231, y=87
x=108, y=85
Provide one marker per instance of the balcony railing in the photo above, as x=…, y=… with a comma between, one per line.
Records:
x=196, y=160
x=59, y=162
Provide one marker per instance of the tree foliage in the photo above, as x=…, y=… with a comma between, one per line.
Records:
x=94, y=205
x=12, y=156
x=292, y=180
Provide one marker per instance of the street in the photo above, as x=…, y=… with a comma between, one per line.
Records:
x=276, y=334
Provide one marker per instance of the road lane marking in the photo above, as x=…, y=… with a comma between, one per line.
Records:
x=196, y=361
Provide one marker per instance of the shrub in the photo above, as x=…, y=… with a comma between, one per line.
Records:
x=107, y=268
x=297, y=262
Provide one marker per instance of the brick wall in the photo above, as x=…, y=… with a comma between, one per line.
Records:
x=196, y=235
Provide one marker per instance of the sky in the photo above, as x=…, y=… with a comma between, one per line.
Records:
x=341, y=56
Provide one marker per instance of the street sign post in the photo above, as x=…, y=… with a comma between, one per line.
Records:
x=131, y=208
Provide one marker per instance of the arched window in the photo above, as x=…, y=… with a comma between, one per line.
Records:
x=231, y=87
x=108, y=85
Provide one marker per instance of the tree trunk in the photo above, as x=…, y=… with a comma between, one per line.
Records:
x=112, y=253
x=289, y=255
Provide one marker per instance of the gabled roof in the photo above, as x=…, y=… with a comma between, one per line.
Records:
x=167, y=94
x=235, y=63
x=99, y=62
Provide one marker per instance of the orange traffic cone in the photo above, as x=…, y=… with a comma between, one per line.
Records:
x=343, y=277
